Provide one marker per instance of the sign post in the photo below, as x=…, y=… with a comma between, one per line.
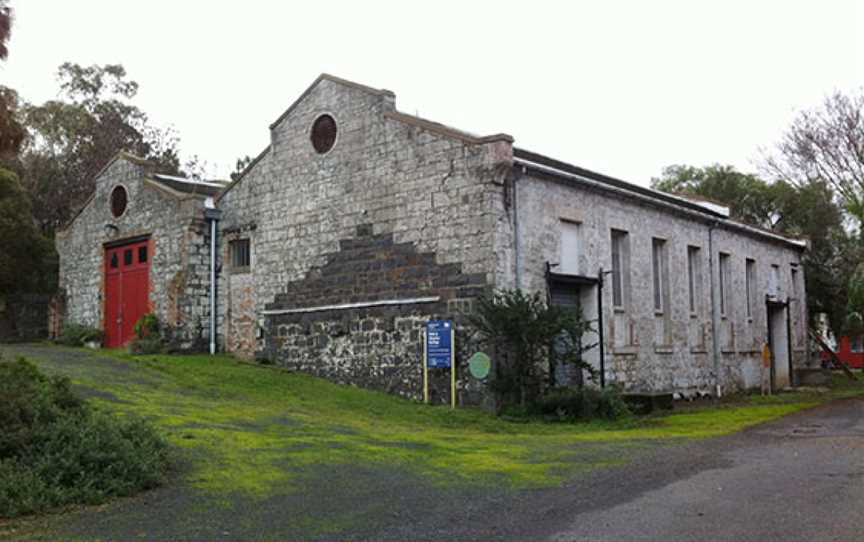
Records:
x=439, y=352
x=425, y=369
x=452, y=367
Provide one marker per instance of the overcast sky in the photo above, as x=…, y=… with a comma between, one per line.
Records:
x=624, y=88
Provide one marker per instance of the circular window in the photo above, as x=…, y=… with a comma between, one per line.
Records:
x=323, y=133
x=118, y=201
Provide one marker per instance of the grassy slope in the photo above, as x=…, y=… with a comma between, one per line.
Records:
x=258, y=430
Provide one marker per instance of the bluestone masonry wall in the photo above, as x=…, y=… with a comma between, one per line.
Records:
x=672, y=351
x=179, y=247
x=399, y=211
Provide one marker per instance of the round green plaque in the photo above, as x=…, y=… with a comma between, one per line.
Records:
x=479, y=365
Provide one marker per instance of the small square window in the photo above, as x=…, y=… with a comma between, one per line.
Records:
x=142, y=254
x=127, y=256
x=240, y=254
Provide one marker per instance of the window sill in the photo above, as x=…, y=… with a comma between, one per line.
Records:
x=728, y=350
x=239, y=270
x=625, y=350
x=658, y=313
x=698, y=350
x=619, y=310
x=664, y=349
x=694, y=316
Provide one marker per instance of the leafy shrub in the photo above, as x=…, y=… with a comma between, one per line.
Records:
x=147, y=340
x=77, y=335
x=147, y=326
x=530, y=338
x=569, y=404
x=56, y=450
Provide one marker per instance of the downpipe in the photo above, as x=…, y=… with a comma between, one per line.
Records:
x=715, y=339
x=212, y=214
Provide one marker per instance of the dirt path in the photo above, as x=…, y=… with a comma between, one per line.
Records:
x=796, y=479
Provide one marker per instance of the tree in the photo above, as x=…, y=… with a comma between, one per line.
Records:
x=752, y=197
x=240, y=167
x=72, y=138
x=12, y=132
x=529, y=337
x=5, y=28
x=855, y=306
x=23, y=251
x=827, y=144
x=805, y=210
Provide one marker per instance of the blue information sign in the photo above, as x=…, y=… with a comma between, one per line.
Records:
x=438, y=346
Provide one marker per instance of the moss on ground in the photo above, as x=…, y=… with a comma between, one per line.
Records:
x=257, y=430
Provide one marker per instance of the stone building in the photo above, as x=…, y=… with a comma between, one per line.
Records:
x=358, y=223
x=138, y=245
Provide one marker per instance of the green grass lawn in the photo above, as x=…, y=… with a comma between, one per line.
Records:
x=256, y=430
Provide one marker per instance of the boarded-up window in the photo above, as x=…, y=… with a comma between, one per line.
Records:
x=750, y=281
x=774, y=286
x=694, y=277
x=323, y=133
x=659, y=273
x=118, y=201
x=724, y=283
x=620, y=267
x=241, y=255
x=570, y=247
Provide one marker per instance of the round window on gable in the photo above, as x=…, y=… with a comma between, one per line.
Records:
x=118, y=201
x=323, y=133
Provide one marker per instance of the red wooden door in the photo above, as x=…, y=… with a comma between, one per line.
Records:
x=127, y=280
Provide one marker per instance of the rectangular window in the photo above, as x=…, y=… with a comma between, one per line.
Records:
x=658, y=267
x=240, y=254
x=620, y=259
x=142, y=254
x=750, y=285
x=774, y=287
x=127, y=256
x=724, y=283
x=570, y=247
x=694, y=274
x=795, y=284
x=857, y=344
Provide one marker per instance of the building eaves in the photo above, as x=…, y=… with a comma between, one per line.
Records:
x=555, y=168
x=554, y=164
